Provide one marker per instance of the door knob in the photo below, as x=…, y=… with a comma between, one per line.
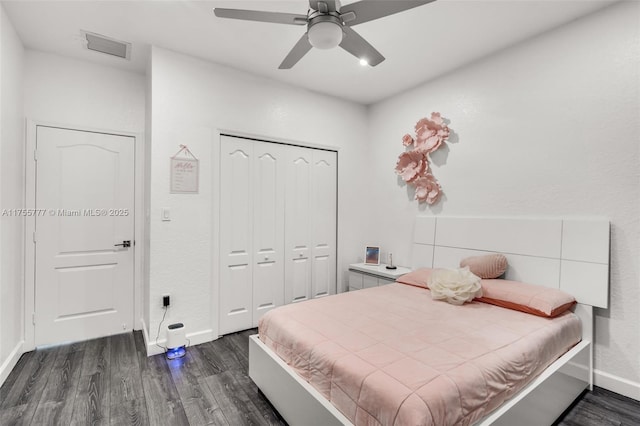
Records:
x=125, y=243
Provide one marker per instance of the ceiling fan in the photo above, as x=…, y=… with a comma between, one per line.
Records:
x=329, y=25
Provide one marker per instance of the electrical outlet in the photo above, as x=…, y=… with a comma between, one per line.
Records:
x=166, y=300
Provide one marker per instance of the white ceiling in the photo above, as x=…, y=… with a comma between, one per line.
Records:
x=419, y=44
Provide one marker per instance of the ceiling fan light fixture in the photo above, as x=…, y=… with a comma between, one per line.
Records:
x=364, y=62
x=325, y=35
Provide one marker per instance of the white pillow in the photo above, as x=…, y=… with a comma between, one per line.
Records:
x=455, y=286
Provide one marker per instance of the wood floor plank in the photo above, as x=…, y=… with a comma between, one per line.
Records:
x=585, y=416
x=73, y=347
x=262, y=405
x=602, y=407
x=31, y=380
x=207, y=359
x=92, y=404
x=231, y=360
x=58, y=398
x=235, y=345
x=125, y=380
x=234, y=402
x=605, y=402
x=14, y=415
x=199, y=403
x=28, y=388
x=94, y=351
x=13, y=376
x=131, y=412
x=164, y=406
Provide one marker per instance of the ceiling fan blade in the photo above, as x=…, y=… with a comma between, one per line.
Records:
x=256, y=15
x=366, y=11
x=353, y=43
x=299, y=50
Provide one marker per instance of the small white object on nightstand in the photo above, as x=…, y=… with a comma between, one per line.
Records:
x=362, y=275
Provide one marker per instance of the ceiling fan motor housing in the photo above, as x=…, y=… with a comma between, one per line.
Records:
x=325, y=31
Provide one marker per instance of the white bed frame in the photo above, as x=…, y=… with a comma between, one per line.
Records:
x=570, y=254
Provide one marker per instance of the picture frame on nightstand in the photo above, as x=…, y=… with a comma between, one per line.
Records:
x=372, y=255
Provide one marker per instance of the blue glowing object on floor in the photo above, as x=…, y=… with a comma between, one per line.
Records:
x=178, y=352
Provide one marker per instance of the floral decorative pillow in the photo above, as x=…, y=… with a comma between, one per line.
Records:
x=455, y=286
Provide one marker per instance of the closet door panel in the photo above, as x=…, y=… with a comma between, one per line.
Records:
x=268, y=227
x=236, y=216
x=298, y=218
x=323, y=206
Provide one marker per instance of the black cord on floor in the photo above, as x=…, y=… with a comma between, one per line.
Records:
x=159, y=326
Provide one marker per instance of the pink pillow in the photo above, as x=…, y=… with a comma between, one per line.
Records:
x=488, y=266
x=418, y=278
x=529, y=298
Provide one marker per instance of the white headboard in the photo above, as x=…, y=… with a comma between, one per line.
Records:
x=570, y=254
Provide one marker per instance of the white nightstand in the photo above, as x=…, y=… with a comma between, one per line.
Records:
x=364, y=276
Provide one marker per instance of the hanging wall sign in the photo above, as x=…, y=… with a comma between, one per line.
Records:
x=185, y=169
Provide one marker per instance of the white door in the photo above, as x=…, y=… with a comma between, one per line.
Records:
x=236, y=228
x=323, y=207
x=299, y=224
x=85, y=190
x=268, y=227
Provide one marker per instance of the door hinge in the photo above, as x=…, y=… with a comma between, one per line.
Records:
x=35, y=155
x=34, y=236
x=33, y=318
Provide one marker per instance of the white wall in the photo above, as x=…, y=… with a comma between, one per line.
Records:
x=70, y=92
x=11, y=195
x=549, y=127
x=191, y=98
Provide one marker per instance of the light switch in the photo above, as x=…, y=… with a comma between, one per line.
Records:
x=166, y=214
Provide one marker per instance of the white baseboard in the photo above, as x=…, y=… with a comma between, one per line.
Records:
x=617, y=384
x=10, y=362
x=145, y=334
x=195, y=338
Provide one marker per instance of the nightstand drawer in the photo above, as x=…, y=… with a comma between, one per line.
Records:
x=355, y=280
x=369, y=281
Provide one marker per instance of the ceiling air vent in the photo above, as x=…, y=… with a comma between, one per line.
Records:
x=107, y=45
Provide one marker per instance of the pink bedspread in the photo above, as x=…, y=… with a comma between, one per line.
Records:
x=391, y=355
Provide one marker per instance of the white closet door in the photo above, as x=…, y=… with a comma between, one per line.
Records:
x=268, y=227
x=323, y=207
x=236, y=234
x=298, y=217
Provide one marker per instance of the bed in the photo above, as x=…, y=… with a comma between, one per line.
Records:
x=385, y=386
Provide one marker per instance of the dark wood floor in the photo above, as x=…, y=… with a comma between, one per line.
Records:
x=602, y=408
x=112, y=381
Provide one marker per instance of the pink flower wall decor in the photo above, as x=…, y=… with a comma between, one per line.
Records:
x=413, y=164
x=427, y=189
x=431, y=133
x=407, y=140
